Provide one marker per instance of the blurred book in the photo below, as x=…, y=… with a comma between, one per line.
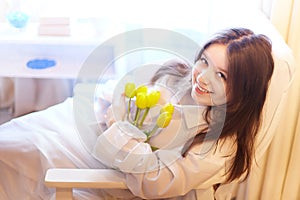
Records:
x=54, y=26
x=55, y=30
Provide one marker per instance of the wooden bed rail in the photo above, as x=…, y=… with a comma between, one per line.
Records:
x=64, y=180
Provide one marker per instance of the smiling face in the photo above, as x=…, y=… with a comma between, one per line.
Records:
x=209, y=76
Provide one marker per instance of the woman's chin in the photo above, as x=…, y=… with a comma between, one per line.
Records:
x=200, y=99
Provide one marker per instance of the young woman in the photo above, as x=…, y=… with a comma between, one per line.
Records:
x=230, y=79
x=225, y=89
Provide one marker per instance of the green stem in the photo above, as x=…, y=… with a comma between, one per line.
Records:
x=144, y=117
x=128, y=110
x=152, y=132
x=137, y=116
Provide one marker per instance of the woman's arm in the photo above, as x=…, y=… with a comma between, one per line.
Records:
x=163, y=173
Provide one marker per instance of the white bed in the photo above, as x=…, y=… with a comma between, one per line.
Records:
x=31, y=144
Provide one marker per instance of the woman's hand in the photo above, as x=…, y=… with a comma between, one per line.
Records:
x=116, y=111
x=109, y=117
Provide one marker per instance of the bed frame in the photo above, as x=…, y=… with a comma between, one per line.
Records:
x=64, y=180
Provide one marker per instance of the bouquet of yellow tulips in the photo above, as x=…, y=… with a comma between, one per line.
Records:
x=144, y=101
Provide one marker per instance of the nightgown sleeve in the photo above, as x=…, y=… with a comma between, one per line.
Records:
x=163, y=173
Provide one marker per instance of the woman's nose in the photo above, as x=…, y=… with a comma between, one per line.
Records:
x=205, y=75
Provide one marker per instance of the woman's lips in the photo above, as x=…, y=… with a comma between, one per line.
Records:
x=201, y=90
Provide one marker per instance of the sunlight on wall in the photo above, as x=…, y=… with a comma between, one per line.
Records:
x=191, y=17
x=167, y=12
x=192, y=13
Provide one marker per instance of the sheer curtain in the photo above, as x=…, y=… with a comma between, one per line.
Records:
x=278, y=174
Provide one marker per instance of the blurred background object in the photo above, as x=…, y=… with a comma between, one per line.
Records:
x=18, y=19
x=6, y=99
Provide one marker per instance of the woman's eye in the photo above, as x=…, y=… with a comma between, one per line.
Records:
x=204, y=61
x=221, y=75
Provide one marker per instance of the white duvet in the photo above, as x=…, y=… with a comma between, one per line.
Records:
x=31, y=144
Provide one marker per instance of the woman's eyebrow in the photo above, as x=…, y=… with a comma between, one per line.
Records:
x=204, y=54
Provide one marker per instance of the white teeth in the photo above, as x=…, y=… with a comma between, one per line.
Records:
x=202, y=89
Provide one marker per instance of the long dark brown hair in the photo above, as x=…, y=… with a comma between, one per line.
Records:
x=250, y=67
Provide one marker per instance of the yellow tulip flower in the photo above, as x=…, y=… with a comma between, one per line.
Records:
x=163, y=119
x=144, y=101
x=141, y=89
x=129, y=93
x=130, y=90
x=141, y=100
x=153, y=98
x=167, y=108
x=141, y=103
